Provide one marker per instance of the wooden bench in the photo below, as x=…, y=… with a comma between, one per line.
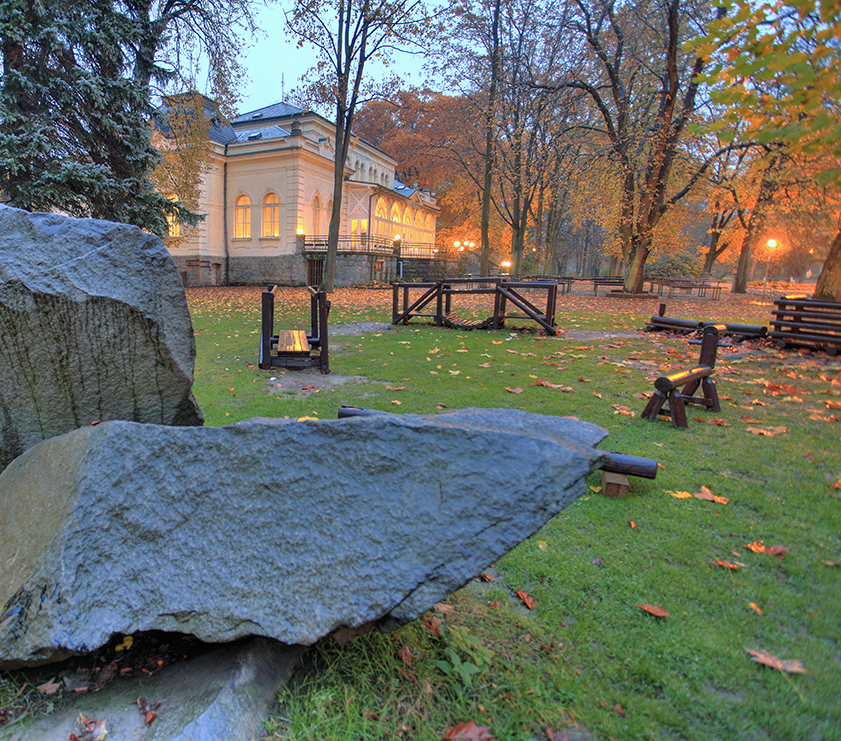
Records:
x=294, y=348
x=800, y=320
x=673, y=392
x=617, y=281
x=686, y=285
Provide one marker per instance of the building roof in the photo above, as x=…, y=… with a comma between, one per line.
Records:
x=221, y=133
x=403, y=189
x=243, y=136
x=275, y=110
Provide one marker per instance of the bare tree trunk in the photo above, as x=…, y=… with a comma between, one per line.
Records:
x=767, y=188
x=828, y=287
x=329, y=277
x=489, y=143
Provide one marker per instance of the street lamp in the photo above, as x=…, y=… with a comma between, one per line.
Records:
x=771, y=243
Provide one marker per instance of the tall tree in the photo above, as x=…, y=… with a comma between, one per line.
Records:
x=177, y=36
x=74, y=129
x=348, y=35
x=642, y=85
x=182, y=135
x=776, y=65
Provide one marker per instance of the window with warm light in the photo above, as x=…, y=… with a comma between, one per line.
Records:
x=271, y=216
x=242, y=218
x=173, y=227
x=316, y=216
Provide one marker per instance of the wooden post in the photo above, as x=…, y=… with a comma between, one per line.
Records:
x=266, y=330
x=615, y=485
x=551, y=301
x=323, y=309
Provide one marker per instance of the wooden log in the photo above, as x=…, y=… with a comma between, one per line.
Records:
x=619, y=463
x=630, y=465
x=747, y=330
x=666, y=322
x=676, y=380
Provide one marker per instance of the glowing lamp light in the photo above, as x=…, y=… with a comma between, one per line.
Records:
x=505, y=263
x=396, y=237
x=772, y=243
x=456, y=244
x=300, y=231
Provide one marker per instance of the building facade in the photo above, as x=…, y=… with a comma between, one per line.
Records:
x=267, y=201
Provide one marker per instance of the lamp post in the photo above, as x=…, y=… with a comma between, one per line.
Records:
x=771, y=243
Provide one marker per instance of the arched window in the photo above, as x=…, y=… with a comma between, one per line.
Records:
x=174, y=228
x=395, y=221
x=408, y=231
x=242, y=218
x=316, y=217
x=381, y=218
x=271, y=216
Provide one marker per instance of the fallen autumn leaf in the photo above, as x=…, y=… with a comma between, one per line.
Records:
x=790, y=666
x=655, y=610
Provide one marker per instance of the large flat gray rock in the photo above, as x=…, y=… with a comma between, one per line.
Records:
x=224, y=695
x=285, y=529
x=95, y=326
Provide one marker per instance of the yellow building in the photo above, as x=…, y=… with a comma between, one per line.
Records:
x=267, y=200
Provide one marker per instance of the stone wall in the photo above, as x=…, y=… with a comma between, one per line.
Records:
x=353, y=268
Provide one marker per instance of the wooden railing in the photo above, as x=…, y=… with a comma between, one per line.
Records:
x=374, y=244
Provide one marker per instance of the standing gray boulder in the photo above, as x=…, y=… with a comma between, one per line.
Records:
x=94, y=326
x=288, y=529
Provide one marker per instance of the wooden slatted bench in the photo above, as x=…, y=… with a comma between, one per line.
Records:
x=617, y=281
x=294, y=348
x=800, y=320
x=687, y=285
x=674, y=391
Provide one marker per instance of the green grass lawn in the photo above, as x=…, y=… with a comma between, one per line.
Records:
x=586, y=659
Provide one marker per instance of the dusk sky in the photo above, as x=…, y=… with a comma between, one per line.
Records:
x=275, y=65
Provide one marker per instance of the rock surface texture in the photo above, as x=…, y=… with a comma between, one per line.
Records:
x=289, y=529
x=94, y=326
x=220, y=696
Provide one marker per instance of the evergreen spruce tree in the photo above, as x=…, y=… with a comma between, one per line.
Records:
x=74, y=124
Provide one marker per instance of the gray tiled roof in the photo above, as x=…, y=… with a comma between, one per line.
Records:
x=403, y=189
x=266, y=132
x=275, y=110
x=222, y=133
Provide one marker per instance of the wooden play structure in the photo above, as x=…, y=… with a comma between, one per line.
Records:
x=673, y=392
x=294, y=348
x=436, y=302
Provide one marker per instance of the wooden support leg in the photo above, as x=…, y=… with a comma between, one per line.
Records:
x=711, y=395
x=655, y=404
x=677, y=409
x=266, y=329
x=615, y=485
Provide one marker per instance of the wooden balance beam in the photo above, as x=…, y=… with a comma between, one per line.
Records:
x=673, y=392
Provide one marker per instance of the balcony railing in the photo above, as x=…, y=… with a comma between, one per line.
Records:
x=374, y=244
